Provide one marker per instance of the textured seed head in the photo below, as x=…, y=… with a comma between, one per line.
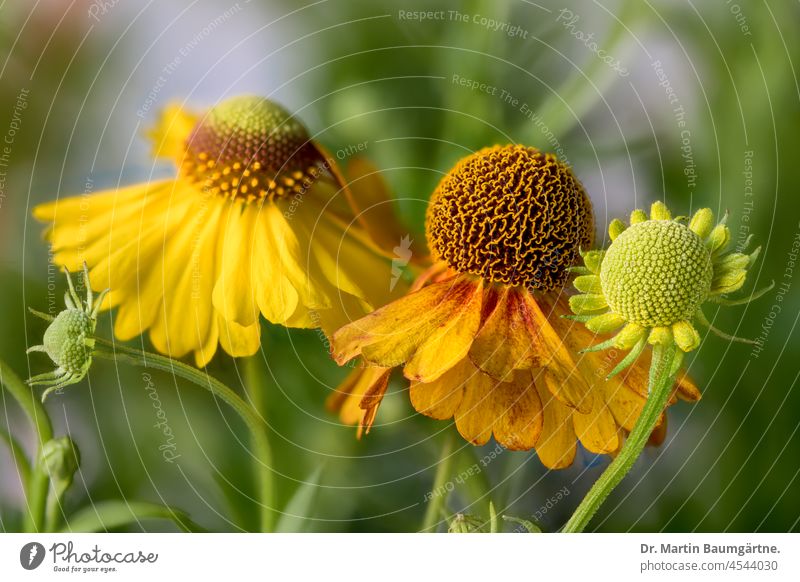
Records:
x=511, y=215
x=65, y=340
x=249, y=147
x=656, y=273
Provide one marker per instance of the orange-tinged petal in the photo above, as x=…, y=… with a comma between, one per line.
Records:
x=597, y=430
x=372, y=399
x=625, y=404
x=440, y=399
x=519, y=413
x=507, y=340
x=687, y=389
x=560, y=372
x=556, y=445
x=449, y=343
x=475, y=415
x=390, y=335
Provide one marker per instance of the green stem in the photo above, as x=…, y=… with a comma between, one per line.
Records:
x=438, y=489
x=661, y=380
x=53, y=513
x=253, y=377
x=251, y=419
x=38, y=483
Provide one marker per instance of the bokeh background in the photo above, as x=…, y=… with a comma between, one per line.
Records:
x=695, y=103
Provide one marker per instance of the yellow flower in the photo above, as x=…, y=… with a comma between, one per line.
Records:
x=258, y=220
x=481, y=336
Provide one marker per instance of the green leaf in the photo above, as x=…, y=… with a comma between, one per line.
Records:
x=295, y=514
x=527, y=524
x=18, y=456
x=493, y=527
x=108, y=515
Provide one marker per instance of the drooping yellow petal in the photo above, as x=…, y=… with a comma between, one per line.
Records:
x=277, y=265
x=391, y=334
x=559, y=372
x=170, y=132
x=449, y=343
x=440, y=399
x=359, y=396
x=597, y=430
x=507, y=340
x=233, y=294
x=556, y=445
x=237, y=340
x=518, y=409
x=476, y=412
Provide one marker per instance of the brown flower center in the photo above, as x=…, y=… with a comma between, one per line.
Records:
x=251, y=148
x=511, y=215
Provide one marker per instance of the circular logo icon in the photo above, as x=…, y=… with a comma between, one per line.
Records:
x=31, y=555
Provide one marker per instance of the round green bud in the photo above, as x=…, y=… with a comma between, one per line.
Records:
x=60, y=458
x=656, y=273
x=462, y=523
x=65, y=340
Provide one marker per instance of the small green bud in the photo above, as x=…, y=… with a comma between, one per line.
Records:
x=593, y=260
x=615, y=228
x=60, y=459
x=719, y=238
x=463, y=523
x=605, y=323
x=686, y=336
x=588, y=284
x=659, y=211
x=702, y=222
x=638, y=216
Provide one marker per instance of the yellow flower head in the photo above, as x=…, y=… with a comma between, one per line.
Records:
x=481, y=337
x=258, y=220
x=654, y=278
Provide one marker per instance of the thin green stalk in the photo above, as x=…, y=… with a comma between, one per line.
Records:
x=439, y=489
x=53, y=513
x=253, y=377
x=251, y=419
x=661, y=380
x=38, y=484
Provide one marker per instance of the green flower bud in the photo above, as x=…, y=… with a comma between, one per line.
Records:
x=60, y=459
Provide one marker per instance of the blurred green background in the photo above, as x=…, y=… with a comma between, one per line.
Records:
x=694, y=103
